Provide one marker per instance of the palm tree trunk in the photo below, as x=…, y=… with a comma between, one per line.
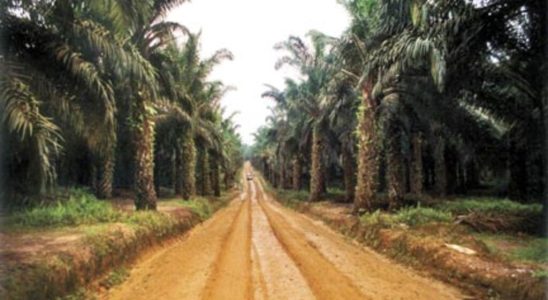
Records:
x=106, y=174
x=296, y=173
x=179, y=170
x=173, y=168
x=226, y=178
x=348, y=171
x=416, y=165
x=157, y=169
x=472, y=176
x=288, y=179
x=544, y=118
x=517, y=186
x=394, y=169
x=440, y=170
x=316, y=176
x=282, y=174
x=274, y=175
x=93, y=177
x=394, y=158
x=368, y=166
x=204, y=176
x=323, y=175
x=188, y=175
x=215, y=174
x=266, y=171
x=143, y=138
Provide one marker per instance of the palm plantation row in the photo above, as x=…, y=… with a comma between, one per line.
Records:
x=416, y=97
x=108, y=93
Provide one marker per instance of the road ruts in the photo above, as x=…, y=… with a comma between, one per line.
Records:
x=231, y=276
x=257, y=249
x=338, y=269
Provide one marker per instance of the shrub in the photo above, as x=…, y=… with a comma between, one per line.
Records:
x=158, y=222
x=80, y=208
x=199, y=206
x=377, y=218
x=115, y=277
x=292, y=195
x=496, y=215
x=490, y=206
x=421, y=215
x=410, y=215
x=536, y=251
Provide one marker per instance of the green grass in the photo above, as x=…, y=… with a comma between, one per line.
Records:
x=412, y=216
x=199, y=206
x=518, y=248
x=490, y=206
x=421, y=215
x=291, y=198
x=80, y=294
x=292, y=195
x=377, y=218
x=541, y=274
x=80, y=208
x=535, y=251
x=202, y=206
x=302, y=195
x=115, y=277
x=158, y=222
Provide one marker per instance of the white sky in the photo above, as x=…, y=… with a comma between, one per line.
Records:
x=249, y=29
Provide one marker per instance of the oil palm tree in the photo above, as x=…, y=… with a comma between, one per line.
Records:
x=232, y=150
x=190, y=106
x=310, y=97
x=149, y=33
x=76, y=89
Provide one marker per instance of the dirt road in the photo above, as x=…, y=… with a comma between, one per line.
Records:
x=256, y=249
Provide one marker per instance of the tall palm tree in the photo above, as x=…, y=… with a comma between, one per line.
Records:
x=342, y=122
x=54, y=62
x=149, y=34
x=311, y=97
x=190, y=106
x=231, y=149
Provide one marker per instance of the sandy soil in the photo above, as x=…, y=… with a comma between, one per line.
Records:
x=256, y=249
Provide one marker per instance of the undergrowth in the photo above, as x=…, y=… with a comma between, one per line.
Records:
x=412, y=216
x=516, y=248
x=490, y=206
x=421, y=215
x=496, y=215
x=158, y=222
x=115, y=277
x=292, y=195
x=199, y=206
x=80, y=208
x=536, y=251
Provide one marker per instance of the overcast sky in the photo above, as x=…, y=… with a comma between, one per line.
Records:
x=249, y=29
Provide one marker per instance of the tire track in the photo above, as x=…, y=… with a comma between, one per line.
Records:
x=326, y=281
x=231, y=276
x=259, y=283
x=181, y=270
x=374, y=275
x=282, y=277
